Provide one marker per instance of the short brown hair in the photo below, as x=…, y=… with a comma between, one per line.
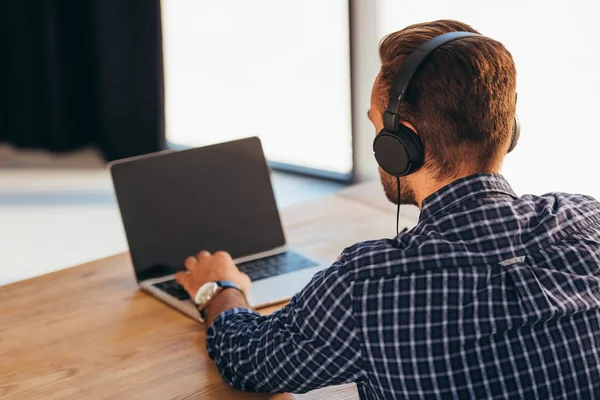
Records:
x=461, y=101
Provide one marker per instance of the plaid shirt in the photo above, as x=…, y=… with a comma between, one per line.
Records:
x=489, y=296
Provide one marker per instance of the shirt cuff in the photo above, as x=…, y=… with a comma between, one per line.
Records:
x=233, y=316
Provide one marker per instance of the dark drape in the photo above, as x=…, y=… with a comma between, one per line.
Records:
x=75, y=73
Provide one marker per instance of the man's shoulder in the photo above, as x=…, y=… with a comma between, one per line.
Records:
x=558, y=213
x=561, y=198
x=537, y=221
x=360, y=249
x=369, y=258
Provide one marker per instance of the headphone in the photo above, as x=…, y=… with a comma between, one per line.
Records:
x=398, y=149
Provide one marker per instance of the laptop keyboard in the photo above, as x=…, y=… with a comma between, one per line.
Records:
x=257, y=269
x=275, y=265
x=173, y=288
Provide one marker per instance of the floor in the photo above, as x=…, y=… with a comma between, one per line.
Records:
x=60, y=211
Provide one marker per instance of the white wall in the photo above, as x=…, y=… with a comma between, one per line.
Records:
x=555, y=47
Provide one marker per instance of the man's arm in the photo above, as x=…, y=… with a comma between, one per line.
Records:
x=311, y=342
x=225, y=301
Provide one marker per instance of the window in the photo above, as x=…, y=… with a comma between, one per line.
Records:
x=276, y=69
x=554, y=47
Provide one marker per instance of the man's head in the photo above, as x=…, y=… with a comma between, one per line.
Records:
x=461, y=103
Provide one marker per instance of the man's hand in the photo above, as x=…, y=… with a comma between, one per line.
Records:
x=205, y=267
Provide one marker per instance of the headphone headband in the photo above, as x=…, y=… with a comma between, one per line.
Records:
x=408, y=68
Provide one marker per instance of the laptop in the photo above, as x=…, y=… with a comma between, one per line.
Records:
x=175, y=203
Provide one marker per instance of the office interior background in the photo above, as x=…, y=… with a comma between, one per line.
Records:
x=296, y=74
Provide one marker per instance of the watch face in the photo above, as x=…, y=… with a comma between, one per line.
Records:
x=205, y=292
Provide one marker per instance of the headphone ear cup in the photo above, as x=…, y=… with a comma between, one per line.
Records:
x=398, y=153
x=516, y=134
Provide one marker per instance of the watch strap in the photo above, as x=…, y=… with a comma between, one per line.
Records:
x=228, y=285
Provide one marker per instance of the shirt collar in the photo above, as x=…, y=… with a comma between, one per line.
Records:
x=477, y=185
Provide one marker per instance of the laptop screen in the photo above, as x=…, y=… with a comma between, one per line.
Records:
x=211, y=198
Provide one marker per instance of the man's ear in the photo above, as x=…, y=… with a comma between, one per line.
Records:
x=409, y=125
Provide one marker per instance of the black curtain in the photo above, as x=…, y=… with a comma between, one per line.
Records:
x=75, y=73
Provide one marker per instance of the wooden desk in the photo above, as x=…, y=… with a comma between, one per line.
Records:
x=88, y=333
x=371, y=194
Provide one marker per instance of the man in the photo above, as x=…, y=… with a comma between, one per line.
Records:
x=490, y=295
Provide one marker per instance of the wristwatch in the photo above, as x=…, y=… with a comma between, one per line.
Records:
x=208, y=292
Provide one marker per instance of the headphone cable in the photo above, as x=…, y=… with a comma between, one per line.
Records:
x=398, y=206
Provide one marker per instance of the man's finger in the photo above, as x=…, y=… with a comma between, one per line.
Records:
x=191, y=263
x=182, y=278
x=203, y=254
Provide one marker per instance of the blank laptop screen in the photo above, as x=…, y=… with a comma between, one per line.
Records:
x=212, y=198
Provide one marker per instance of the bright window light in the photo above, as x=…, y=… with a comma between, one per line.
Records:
x=554, y=45
x=276, y=69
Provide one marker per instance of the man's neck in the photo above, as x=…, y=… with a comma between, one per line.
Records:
x=424, y=185
x=426, y=189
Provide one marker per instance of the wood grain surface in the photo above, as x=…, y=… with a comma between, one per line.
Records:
x=371, y=193
x=87, y=332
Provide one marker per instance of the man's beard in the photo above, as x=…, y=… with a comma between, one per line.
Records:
x=390, y=187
